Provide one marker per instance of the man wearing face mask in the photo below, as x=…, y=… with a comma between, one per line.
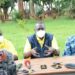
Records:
x=41, y=44
x=7, y=45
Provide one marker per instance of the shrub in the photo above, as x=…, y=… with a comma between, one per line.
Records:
x=21, y=23
x=15, y=15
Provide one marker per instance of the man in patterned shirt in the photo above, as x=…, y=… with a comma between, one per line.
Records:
x=70, y=46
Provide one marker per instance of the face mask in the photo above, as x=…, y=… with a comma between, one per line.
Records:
x=1, y=38
x=40, y=33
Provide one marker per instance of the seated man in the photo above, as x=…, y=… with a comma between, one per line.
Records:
x=40, y=44
x=7, y=45
x=70, y=46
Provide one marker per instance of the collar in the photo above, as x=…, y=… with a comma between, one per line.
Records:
x=40, y=39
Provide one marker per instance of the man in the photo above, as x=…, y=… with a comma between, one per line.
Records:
x=70, y=46
x=40, y=44
x=7, y=45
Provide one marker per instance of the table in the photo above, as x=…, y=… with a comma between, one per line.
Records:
x=35, y=65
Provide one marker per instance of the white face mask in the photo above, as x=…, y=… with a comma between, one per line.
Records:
x=1, y=38
x=40, y=33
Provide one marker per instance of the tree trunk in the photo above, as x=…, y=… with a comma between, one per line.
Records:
x=20, y=7
x=51, y=5
x=32, y=12
x=0, y=13
x=1, y=16
x=5, y=13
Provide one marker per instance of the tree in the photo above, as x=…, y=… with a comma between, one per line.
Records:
x=58, y=5
x=2, y=2
x=1, y=14
x=21, y=8
x=32, y=11
x=5, y=5
x=69, y=6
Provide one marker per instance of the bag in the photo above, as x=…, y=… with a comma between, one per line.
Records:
x=7, y=65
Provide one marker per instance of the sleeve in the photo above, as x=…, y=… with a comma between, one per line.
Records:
x=67, y=50
x=27, y=47
x=54, y=43
x=11, y=48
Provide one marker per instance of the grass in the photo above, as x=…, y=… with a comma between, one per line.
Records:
x=61, y=28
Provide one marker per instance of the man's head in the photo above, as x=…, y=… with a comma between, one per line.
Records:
x=40, y=29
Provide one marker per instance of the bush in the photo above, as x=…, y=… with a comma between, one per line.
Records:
x=38, y=11
x=22, y=23
x=72, y=13
x=27, y=13
x=15, y=15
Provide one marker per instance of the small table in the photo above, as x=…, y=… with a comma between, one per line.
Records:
x=36, y=63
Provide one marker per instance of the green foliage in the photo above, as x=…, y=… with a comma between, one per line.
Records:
x=43, y=1
x=39, y=10
x=2, y=2
x=47, y=1
x=15, y=15
x=26, y=0
x=7, y=3
x=72, y=13
x=58, y=4
x=21, y=23
x=65, y=4
x=69, y=7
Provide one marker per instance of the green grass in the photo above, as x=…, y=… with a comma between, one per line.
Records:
x=61, y=28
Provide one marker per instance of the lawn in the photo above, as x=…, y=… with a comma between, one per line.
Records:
x=61, y=28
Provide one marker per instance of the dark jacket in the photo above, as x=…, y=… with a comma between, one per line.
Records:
x=35, y=44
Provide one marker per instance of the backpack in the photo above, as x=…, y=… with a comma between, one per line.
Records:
x=7, y=65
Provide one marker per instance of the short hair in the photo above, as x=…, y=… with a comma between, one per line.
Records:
x=40, y=23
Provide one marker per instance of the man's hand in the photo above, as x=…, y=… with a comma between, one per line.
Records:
x=48, y=52
x=35, y=53
x=52, y=51
x=56, y=52
x=27, y=55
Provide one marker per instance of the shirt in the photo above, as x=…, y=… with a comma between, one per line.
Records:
x=70, y=46
x=7, y=45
